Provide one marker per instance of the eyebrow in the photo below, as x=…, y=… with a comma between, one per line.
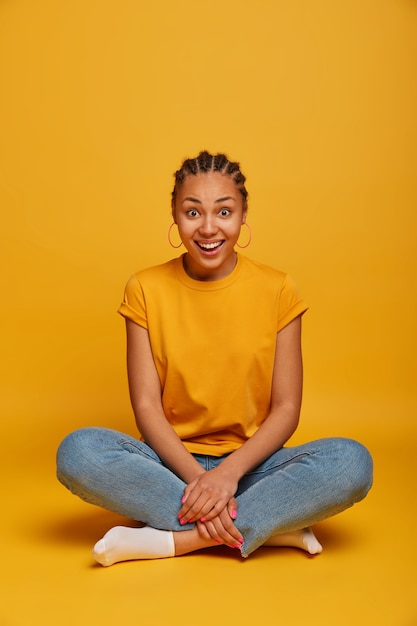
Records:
x=196, y=200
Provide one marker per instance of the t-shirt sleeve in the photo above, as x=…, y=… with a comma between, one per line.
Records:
x=133, y=306
x=290, y=303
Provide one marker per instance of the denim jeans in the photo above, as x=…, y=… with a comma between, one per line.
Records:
x=294, y=488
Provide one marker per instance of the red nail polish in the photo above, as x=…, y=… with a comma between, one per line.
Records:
x=203, y=519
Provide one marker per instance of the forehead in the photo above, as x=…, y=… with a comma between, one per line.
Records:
x=209, y=186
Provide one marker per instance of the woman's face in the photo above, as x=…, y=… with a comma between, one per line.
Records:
x=209, y=214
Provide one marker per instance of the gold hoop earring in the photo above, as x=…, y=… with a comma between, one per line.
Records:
x=169, y=237
x=250, y=236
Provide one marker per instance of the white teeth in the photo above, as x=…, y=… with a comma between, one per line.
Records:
x=210, y=246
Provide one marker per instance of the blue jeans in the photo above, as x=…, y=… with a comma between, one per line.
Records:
x=294, y=488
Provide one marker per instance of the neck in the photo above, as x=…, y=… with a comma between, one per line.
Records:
x=208, y=274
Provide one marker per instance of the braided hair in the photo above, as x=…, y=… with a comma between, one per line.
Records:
x=206, y=162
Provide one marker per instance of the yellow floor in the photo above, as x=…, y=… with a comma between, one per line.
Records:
x=365, y=576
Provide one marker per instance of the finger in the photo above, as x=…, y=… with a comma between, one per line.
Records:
x=220, y=535
x=205, y=507
x=193, y=511
x=232, y=508
x=191, y=494
x=186, y=503
x=222, y=528
x=230, y=527
x=203, y=531
x=212, y=509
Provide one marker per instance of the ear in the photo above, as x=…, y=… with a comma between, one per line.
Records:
x=244, y=214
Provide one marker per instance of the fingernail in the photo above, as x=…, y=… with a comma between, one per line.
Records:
x=234, y=514
x=183, y=499
x=240, y=540
x=179, y=516
x=203, y=519
x=182, y=522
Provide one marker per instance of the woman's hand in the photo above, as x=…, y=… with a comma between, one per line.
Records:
x=206, y=496
x=222, y=528
x=209, y=501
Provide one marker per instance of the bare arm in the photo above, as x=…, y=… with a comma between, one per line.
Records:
x=283, y=418
x=145, y=395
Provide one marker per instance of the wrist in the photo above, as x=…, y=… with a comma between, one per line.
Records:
x=192, y=474
x=232, y=467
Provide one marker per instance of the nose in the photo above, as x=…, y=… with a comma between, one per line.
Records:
x=208, y=226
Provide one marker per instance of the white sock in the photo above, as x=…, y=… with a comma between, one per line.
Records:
x=304, y=539
x=126, y=544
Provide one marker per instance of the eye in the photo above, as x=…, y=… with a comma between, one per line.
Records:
x=224, y=212
x=192, y=213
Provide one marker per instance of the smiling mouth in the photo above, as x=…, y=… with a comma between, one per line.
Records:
x=209, y=247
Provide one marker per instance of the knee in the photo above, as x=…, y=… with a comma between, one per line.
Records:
x=358, y=466
x=73, y=453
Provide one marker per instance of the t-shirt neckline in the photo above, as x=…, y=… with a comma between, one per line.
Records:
x=207, y=285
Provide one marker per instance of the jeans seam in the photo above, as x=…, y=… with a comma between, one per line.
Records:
x=277, y=466
x=128, y=443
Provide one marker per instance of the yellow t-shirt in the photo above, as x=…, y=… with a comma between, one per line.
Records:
x=213, y=345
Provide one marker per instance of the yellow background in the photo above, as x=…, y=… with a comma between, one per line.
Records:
x=100, y=102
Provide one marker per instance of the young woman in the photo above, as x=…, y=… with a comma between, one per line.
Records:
x=215, y=376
